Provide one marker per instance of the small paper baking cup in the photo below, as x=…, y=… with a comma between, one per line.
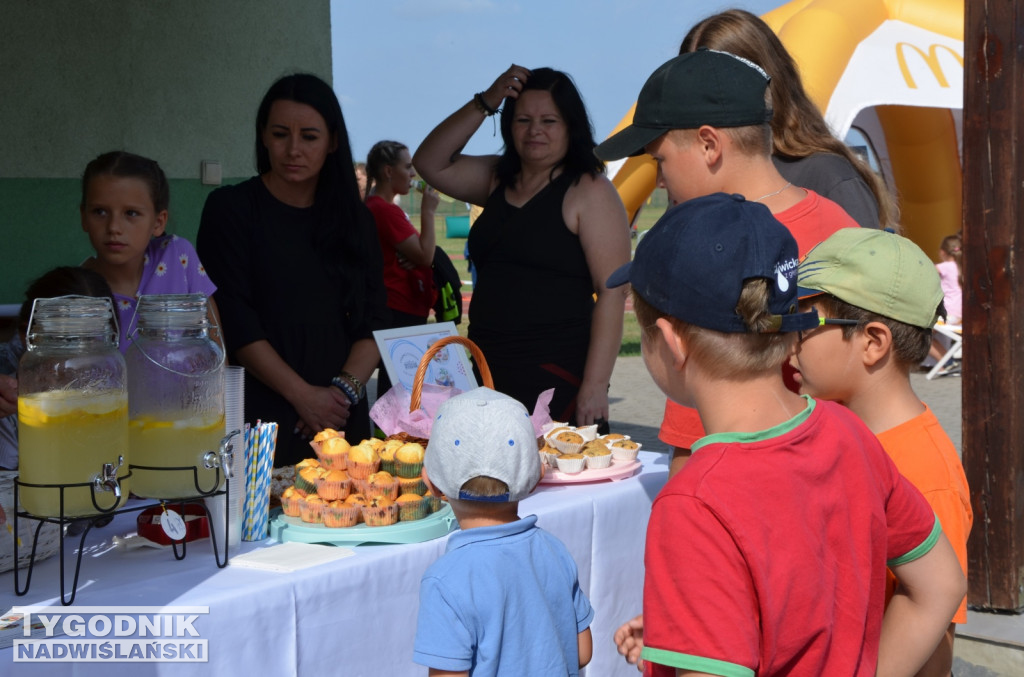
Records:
x=360, y=471
x=620, y=454
x=312, y=512
x=373, y=491
x=347, y=515
x=335, y=490
x=413, y=510
x=380, y=516
x=571, y=465
x=304, y=486
x=434, y=502
x=598, y=462
x=291, y=506
x=388, y=465
x=333, y=461
x=408, y=470
x=566, y=447
x=589, y=432
x=551, y=425
x=550, y=458
x=411, y=485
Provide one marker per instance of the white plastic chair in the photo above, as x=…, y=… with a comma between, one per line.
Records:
x=955, y=334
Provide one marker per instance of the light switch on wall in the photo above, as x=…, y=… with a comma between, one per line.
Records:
x=209, y=173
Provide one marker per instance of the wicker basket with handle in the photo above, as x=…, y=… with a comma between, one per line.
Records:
x=421, y=370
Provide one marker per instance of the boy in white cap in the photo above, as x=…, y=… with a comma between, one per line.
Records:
x=886, y=292
x=505, y=599
x=766, y=552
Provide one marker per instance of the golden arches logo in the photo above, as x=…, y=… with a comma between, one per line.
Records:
x=931, y=59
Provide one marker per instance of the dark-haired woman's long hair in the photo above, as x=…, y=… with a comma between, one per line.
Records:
x=346, y=235
x=579, y=158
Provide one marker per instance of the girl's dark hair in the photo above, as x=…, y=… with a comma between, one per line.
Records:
x=61, y=282
x=383, y=154
x=128, y=165
x=345, y=232
x=798, y=128
x=579, y=158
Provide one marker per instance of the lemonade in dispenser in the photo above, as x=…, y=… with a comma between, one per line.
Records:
x=176, y=398
x=72, y=409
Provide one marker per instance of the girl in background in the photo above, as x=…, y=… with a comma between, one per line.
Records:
x=951, y=276
x=124, y=212
x=408, y=255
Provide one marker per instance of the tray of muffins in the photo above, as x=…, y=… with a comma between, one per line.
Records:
x=371, y=492
x=573, y=455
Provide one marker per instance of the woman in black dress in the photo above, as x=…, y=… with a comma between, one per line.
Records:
x=553, y=229
x=295, y=258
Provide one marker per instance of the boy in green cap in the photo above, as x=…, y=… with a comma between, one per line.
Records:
x=886, y=292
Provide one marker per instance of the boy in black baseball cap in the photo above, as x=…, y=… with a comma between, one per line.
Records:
x=704, y=116
x=766, y=553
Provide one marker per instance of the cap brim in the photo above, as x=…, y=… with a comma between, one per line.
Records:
x=629, y=142
x=806, y=293
x=619, y=277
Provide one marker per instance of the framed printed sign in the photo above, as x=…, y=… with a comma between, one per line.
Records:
x=402, y=349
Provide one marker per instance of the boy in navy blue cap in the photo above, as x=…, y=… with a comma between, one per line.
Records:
x=766, y=553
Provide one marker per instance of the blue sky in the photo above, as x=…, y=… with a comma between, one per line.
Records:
x=401, y=66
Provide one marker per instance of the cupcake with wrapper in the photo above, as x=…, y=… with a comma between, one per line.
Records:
x=587, y=432
x=363, y=461
x=567, y=441
x=411, y=485
x=625, y=450
x=312, y=509
x=380, y=483
x=323, y=436
x=387, y=457
x=412, y=507
x=597, y=456
x=571, y=463
x=333, y=453
x=550, y=455
x=305, y=481
x=291, y=502
x=409, y=459
x=334, y=485
x=339, y=514
x=380, y=512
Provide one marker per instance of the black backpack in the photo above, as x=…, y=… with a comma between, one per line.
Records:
x=448, y=306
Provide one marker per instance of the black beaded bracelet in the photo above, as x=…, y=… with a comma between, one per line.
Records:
x=478, y=98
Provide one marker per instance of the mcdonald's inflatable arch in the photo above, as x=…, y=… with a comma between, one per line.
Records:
x=893, y=69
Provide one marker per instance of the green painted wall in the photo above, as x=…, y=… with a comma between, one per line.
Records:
x=176, y=81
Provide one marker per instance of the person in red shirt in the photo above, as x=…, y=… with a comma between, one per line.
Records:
x=408, y=254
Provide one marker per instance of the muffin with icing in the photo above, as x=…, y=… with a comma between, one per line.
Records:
x=363, y=460
x=409, y=459
x=334, y=485
x=380, y=512
x=412, y=507
x=339, y=514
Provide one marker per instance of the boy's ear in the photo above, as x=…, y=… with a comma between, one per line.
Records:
x=161, y=223
x=877, y=343
x=710, y=140
x=673, y=342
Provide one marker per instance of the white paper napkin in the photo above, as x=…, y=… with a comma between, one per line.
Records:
x=287, y=557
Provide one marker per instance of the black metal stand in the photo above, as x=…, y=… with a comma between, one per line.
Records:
x=104, y=515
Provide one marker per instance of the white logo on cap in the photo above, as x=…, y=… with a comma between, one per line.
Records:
x=783, y=271
x=783, y=282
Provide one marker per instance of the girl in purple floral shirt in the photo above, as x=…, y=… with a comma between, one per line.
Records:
x=124, y=212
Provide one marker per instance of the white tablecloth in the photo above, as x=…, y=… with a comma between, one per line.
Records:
x=354, y=616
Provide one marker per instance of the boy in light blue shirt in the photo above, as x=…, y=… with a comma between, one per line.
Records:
x=505, y=599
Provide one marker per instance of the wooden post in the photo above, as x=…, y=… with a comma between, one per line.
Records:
x=993, y=373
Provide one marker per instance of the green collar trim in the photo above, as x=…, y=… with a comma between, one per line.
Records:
x=695, y=663
x=760, y=435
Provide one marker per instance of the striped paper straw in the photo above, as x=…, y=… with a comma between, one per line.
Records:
x=261, y=465
x=251, y=455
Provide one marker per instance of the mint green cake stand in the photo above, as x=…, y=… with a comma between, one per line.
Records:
x=436, y=525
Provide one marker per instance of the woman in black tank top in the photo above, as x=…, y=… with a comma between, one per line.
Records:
x=552, y=231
